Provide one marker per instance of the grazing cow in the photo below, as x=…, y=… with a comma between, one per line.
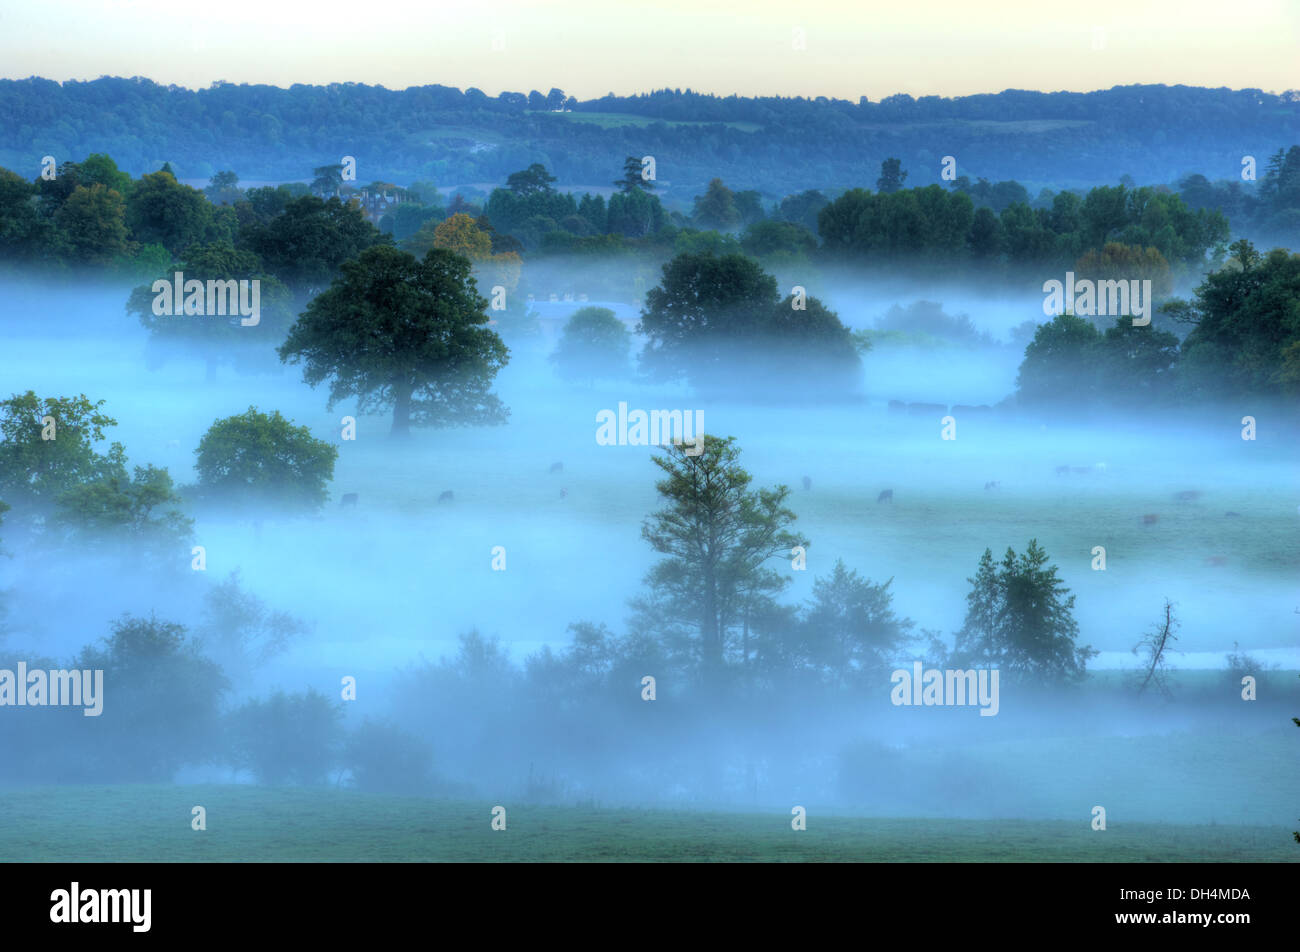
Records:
x=1232, y=515
x=886, y=495
x=1217, y=560
x=1062, y=471
x=1150, y=520
x=349, y=499
x=557, y=467
x=1188, y=495
x=447, y=496
x=807, y=483
x=992, y=485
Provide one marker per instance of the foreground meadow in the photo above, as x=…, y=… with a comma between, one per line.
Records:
x=249, y=824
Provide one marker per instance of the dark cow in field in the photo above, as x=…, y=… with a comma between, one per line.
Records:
x=807, y=483
x=349, y=499
x=1150, y=519
x=447, y=496
x=994, y=484
x=557, y=468
x=1188, y=495
x=1232, y=515
x=886, y=495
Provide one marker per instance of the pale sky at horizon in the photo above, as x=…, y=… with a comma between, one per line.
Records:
x=586, y=48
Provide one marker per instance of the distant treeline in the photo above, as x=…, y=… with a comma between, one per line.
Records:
x=773, y=144
x=92, y=215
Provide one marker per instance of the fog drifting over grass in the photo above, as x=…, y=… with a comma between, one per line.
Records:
x=401, y=576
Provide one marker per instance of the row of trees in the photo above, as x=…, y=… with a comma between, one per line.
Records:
x=60, y=484
x=776, y=144
x=937, y=226
x=719, y=539
x=1243, y=338
x=169, y=706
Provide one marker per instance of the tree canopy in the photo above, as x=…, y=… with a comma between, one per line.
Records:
x=403, y=334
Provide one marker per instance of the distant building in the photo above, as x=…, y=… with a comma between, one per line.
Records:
x=375, y=205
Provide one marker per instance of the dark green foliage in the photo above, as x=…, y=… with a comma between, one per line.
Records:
x=36, y=472
x=306, y=245
x=1020, y=620
x=161, y=702
x=717, y=321
x=411, y=335
x=595, y=345
x=288, y=738
x=255, y=458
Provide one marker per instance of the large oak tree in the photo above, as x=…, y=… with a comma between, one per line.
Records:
x=411, y=335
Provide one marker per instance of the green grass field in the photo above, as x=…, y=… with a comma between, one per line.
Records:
x=251, y=824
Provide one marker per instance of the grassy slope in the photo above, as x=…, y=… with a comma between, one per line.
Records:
x=152, y=823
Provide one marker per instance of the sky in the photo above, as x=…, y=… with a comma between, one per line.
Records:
x=844, y=49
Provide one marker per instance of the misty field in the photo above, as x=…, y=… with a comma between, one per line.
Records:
x=395, y=579
x=250, y=824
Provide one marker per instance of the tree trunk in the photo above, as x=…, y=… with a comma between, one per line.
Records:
x=401, y=411
x=745, y=657
x=711, y=646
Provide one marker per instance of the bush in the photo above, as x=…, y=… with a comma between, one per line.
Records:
x=384, y=758
x=288, y=738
